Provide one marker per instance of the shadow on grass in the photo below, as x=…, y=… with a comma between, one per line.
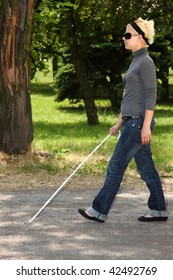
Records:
x=166, y=111
x=42, y=89
x=80, y=108
x=163, y=129
x=82, y=130
x=69, y=130
x=71, y=109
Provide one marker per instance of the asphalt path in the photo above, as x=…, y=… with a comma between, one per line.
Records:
x=60, y=233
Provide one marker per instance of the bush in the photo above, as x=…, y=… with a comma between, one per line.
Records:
x=66, y=84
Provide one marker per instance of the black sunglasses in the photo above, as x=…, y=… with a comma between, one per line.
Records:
x=128, y=35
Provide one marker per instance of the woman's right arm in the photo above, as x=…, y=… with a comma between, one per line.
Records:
x=115, y=128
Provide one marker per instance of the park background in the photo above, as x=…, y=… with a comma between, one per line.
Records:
x=61, y=70
x=77, y=62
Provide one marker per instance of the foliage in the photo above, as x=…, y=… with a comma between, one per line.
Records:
x=92, y=33
x=103, y=74
x=66, y=84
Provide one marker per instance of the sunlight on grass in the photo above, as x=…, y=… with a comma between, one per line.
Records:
x=63, y=127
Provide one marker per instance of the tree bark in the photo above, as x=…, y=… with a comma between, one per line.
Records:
x=16, y=131
x=79, y=64
x=87, y=90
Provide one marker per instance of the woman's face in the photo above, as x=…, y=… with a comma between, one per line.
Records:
x=132, y=40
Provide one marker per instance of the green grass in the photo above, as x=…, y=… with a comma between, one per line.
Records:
x=62, y=137
x=163, y=137
x=62, y=130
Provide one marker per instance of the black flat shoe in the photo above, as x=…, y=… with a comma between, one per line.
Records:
x=82, y=212
x=152, y=219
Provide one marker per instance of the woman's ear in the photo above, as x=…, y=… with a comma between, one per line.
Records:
x=140, y=37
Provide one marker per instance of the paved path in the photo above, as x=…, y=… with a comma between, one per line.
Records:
x=60, y=233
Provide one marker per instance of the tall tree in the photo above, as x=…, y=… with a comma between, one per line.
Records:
x=16, y=131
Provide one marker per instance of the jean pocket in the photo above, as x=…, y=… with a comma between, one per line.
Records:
x=137, y=125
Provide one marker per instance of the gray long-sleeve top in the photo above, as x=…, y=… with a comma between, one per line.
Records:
x=140, y=91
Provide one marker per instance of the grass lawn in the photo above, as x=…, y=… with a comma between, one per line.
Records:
x=61, y=130
x=62, y=137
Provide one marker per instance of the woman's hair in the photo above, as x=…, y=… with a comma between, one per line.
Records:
x=147, y=26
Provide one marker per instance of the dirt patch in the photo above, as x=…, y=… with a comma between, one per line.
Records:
x=43, y=180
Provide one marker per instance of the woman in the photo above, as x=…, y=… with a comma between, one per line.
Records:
x=137, y=120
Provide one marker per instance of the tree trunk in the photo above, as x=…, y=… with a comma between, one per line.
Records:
x=113, y=98
x=79, y=64
x=16, y=131
x=87, y=91
x=55, y=65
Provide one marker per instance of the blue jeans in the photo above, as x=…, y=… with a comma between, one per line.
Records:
x=129, y=146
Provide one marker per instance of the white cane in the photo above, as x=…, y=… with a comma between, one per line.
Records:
x=63, y=184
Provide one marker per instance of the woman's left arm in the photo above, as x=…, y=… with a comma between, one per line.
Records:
x=148, y=73
x=146, y=134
